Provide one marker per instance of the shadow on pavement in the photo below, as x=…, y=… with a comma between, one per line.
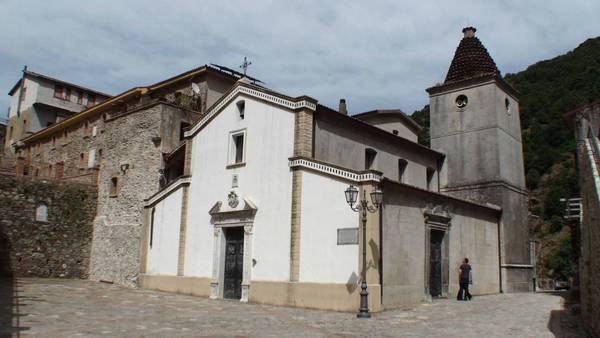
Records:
x=564, y=323
x=10, y=309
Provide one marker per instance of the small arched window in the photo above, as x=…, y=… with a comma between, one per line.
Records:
x=241, y=106
x=41, y=213
x=370, y=158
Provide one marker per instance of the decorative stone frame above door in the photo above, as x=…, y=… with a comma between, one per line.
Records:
x=232, y=215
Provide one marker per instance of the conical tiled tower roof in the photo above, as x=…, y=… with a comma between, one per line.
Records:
x=471, y=59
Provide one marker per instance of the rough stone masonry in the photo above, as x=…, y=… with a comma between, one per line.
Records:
x=57, y=244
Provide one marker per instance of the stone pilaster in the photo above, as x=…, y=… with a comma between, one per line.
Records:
x=187, y=167
x=183, y=229
x=145, y=239
x=303, y=133
x=296, y=221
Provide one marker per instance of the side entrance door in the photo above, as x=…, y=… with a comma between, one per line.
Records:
x=234, y=258
x=435, y=263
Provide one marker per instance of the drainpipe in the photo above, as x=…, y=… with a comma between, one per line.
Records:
x=21, y=93
x=500, y=256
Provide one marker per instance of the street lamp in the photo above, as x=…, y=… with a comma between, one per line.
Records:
x=363, y=206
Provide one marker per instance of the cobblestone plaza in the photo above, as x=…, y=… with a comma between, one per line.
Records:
x=79, y=308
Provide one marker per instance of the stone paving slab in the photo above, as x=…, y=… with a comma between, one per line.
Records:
x=80, y=308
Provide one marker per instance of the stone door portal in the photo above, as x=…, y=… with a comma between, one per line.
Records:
x=234, y=262
x=435, y=263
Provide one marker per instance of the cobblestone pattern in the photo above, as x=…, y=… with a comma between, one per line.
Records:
x=59, y=247
x=70, y=308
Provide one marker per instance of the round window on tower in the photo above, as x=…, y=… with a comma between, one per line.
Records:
x=507, y=105
x=461, y=101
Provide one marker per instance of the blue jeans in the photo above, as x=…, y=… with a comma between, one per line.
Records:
x=463, y=292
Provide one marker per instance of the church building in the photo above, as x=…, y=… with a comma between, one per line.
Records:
x=259, y=212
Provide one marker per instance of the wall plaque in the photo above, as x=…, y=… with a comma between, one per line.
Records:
x=346, y=236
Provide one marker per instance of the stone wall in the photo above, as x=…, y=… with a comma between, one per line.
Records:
x=58, y=247
x=133, y=157
x=590, y=244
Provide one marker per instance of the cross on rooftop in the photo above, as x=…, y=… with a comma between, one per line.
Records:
x=245, y=65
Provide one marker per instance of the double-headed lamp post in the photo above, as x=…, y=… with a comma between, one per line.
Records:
x=364, y=207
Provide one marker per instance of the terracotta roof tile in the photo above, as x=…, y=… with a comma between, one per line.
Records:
x=471, y=59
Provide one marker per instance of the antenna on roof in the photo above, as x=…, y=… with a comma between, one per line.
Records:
x=245, y=65
x=234, y=73
x=195, y=89
x=196, y=101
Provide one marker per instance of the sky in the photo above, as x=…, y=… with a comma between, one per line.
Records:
x=375, y=54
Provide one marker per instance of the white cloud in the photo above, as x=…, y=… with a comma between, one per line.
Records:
x=375, y=53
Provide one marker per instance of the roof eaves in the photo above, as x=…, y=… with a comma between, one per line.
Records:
x=84, y=114
x=412, y=123
x=473, y=81
x=214, y=110
x=65, y=83
x=490, y=207
x=379, y=131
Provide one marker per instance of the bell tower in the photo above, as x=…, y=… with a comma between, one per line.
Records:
x=475, y=121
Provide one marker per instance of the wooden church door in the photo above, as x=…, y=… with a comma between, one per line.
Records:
x=234, y=262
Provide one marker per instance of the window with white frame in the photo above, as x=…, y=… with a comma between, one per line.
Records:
x=237, y=146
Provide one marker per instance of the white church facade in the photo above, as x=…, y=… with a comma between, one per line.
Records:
x=260, y=215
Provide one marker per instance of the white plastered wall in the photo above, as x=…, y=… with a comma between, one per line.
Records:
x=30, y=97
x=163, y=254
x=323, y=211
x=265, y=179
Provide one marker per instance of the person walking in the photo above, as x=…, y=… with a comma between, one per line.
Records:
x=464, y=277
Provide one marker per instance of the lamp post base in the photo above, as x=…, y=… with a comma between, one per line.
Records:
x=363, y=315
x=363, y=311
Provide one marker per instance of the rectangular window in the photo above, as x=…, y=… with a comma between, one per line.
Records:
x=237, y=147
x=60, y=169
x=68, y=94
x=24, y=94
x=58, y=91
x=430, y=176
x=50, y=170
x=80, y=97
x=81, y=160
x=114, y=187
x=91, y=101
x=369, y=158
x=402, y=164
x=10, y=133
